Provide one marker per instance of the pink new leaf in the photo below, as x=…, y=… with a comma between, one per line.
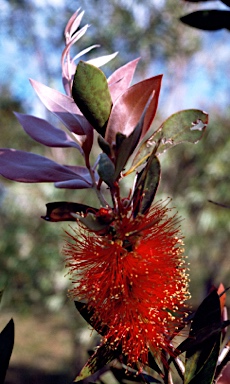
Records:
x=44, y=132
x=129, y=107
x=31, y=168
x=69, y=43
x=73, y=24
x=121, y=79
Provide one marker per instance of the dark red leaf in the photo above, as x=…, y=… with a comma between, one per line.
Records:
x=62, y=211
x=129, y=107
x=128, y=144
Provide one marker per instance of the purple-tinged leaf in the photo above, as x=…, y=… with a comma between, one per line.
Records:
x=129, y=107
x=45, y=133
x=56, y=102
x=63, y=107
x=62, y=211
x=121, y=79
x=82, y=172
x=31, y=168
x=66, y=110
x=73, y=184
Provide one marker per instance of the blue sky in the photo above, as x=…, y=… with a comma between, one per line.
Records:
x=203, y=82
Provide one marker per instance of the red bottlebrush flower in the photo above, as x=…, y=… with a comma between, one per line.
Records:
x=133, y=279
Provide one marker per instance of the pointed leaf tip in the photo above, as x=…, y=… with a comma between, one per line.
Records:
x=45, y=133
x=26, y=167
x=103, y=355
x=146, y=185
x=208, y=19
x=106, y=169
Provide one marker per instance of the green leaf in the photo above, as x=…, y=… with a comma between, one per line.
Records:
x=91, y=222
x=91, y=94
x=104, y=145
x=88, y=315
x=106, y=169
x=146, y=185
x=201, y=366
x=103, y=355
x=205, y=334
x=63, y=210
x=153, y=364
x=6, y=347
x=184, y=126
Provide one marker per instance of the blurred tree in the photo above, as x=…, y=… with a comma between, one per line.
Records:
x=195, y=175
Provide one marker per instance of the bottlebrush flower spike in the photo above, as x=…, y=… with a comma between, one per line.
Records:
x=133, y=278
